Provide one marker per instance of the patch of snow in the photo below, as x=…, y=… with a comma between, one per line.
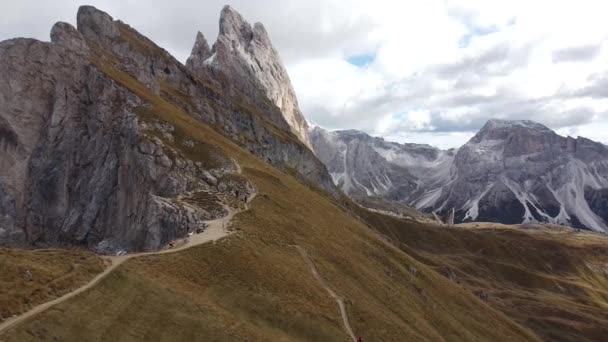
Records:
x=573, y=195
x=522, y=197
x=487, y=150
x=497, y=123
x=368, y=192
x=428, y=199
x=473, y=211
x=337, y=177
x=210, y=60
x=427, y=171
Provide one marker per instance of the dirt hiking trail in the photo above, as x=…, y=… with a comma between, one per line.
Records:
x=215, y=230
x=338, y=299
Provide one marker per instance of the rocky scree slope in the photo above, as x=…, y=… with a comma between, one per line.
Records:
x=88, y=157
x=509, y=172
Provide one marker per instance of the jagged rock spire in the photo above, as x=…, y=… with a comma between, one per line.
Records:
x=92, y=22
x=245, y=54
x=233, y=25
x=200, y=53
x=67, y=36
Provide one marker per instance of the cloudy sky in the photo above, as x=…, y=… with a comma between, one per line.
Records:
x=412, y=71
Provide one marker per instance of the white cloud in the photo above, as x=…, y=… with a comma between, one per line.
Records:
x=440, y=67
x=446, y=67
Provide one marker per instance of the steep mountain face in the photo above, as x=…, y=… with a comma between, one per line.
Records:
x=509, y=172
x=363, y=165
x=90, y=153
x=245, y=55
x=521, y=171
x=235, y=103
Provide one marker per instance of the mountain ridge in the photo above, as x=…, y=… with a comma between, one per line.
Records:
x=246, y=52
x=534, y=174
x=95, y=152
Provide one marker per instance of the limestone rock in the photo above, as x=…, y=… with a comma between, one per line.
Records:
x=66, y=35
x=77, y=166
x=93, y=23
x=200, y=53
x=246, y=56
x=509, y=172
x=81, y=165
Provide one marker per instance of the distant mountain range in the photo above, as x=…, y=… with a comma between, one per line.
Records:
x=509, y=172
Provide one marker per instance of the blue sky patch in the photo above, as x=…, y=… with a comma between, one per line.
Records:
x=361, y=60
x=476, y=31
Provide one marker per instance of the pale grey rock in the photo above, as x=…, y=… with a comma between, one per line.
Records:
x=246, y=56
x=201, y=52
x=67, y=36
x=235, y=103
x=95, y=24
x=209, y=178
x=76, y=164
x=363, y=165
x=357, y=168
x=509, y=172
x=79, y=166
x=521, y=171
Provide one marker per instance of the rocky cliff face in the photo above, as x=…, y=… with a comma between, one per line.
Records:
x=509, y=172
x=363, y=165
x=245, y=55
x=86, y=157
x=357, y=168
x=521, y=171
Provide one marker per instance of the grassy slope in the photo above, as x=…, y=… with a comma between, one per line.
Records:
x=554, y=282
x=254, y=285
x=54, y=273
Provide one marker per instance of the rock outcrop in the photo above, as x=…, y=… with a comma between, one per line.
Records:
x=509, y=172
x=358, y=169
x=200, y=54
x=363, y=165
x=245, y=55
x=86, y=157
x=78, y=166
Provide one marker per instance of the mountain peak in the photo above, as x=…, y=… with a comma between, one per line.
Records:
x=246, y=56
x=66, y=35
x=498, y=129
x=234, y=25
x=493, y=124
x=91, y=20
x=200, y=52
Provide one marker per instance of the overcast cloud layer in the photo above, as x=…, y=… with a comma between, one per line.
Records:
x=430, y=71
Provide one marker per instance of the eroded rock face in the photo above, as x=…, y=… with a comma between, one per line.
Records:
x=522, y=171
x=234, y=103
x=200, y=54
x=358, y=168
x=363, y=165
x=67, y=36
x=80, y=164
x=509, y=172
x=245, y=55
x=81, y=160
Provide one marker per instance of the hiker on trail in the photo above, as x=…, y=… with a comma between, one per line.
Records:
x=28, y=275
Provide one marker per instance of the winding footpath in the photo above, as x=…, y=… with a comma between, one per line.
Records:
x=215, y=230
x=338, y=299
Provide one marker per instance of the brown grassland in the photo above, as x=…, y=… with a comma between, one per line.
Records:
x=53, y=273
x=552, y=280
x=253, y=285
